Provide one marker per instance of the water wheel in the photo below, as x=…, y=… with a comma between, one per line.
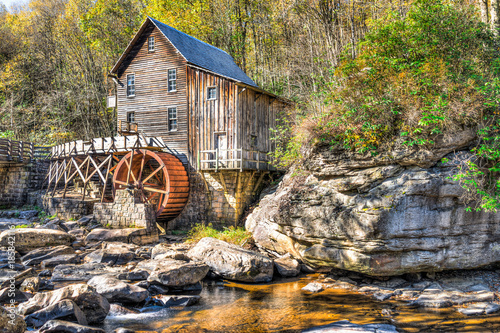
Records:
x=160, y=177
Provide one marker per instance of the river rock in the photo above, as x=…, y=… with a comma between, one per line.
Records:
x=28, y=214
x=68, y=226
x=17, y=277
x=287, y=267
x=113, y=256
x=178, y=300
x=443, y=299
x=119, y=310
x=50, y=251
x=174, y=273
x=481, y=308
x=64, y=310
x=166, y=251
x=61, y=326
x=136, y=236
x=85, y=220
x=60, y=260
x=313, y=287
x=344, y=326
x=7, y=256
x=6, y=295
x=27, y=239
x=78, y=233
x=118, y=291
x=233, y=262
x=36, y=257
x=10, y=322
x=94, y=306
x=31, y=284
x=387, y=215
x=82, y=272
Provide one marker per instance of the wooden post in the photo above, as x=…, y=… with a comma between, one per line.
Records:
x=9, y=150
x=198, y=164
x=216, y=159
x=21, y=151
x=106, y=181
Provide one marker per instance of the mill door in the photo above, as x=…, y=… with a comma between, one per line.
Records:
x=221, y=145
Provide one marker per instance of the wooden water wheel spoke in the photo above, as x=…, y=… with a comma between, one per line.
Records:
x=157, y=190
x=129, y=173
x=150, y=184
x=154, y=174
x=149, y=173
x=142, y=167
x=151, y=196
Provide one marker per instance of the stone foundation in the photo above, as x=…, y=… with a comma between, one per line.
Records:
x=14, y=182
x=219, y=198
x=18, y=180
x=127, y=211
x=67, y=209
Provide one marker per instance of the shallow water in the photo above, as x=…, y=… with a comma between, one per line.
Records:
x=282, y=307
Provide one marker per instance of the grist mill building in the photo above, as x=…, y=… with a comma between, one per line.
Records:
x=208, y=112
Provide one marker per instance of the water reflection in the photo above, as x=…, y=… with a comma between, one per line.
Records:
x=282, y=307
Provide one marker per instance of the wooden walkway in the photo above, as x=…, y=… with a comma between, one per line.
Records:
x=12, y=152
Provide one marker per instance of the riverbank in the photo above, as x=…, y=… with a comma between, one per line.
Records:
x=70, y=276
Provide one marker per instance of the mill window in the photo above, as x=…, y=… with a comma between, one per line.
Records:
x=172, y=119
x=212, y=93
x=172, y=80
x=151, y=44
x=130, y=117
x=130, y=85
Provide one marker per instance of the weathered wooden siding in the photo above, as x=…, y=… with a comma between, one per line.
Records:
x=152, y=98
x=238, y=112
x=209, y=117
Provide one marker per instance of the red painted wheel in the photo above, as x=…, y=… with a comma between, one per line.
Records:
x=160, y=177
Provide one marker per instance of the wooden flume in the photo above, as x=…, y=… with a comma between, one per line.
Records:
x=127, y=162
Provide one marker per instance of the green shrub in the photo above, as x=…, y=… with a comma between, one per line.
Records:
x=418, y=78
x=234, y=235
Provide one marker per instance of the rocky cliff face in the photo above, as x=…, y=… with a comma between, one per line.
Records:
x=393, y=214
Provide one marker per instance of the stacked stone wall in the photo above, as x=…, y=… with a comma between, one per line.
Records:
x=17, y=181
x=67, y=209
x=127, y=211
x=219, y=198
x=14, y=183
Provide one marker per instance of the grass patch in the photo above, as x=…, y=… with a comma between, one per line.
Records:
x=234, y=235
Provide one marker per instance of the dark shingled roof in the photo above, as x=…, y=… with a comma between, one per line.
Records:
x=203, y=55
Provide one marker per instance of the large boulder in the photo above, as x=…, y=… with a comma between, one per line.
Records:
x=10, y=322
x=94, y=306
x=118, y=291
x=27, y=239
x=35, y=257
x=136, y=236
x=65, y=310
x=174, y=273
x=379, y=216
x=232, y=262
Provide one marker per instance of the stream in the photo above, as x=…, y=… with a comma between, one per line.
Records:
x=282, y=307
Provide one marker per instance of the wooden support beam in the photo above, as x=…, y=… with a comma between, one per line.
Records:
x=259, y=181
x=107, y=176
x=223, y=182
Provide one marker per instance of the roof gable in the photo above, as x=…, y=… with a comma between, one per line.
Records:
x=195, y=52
